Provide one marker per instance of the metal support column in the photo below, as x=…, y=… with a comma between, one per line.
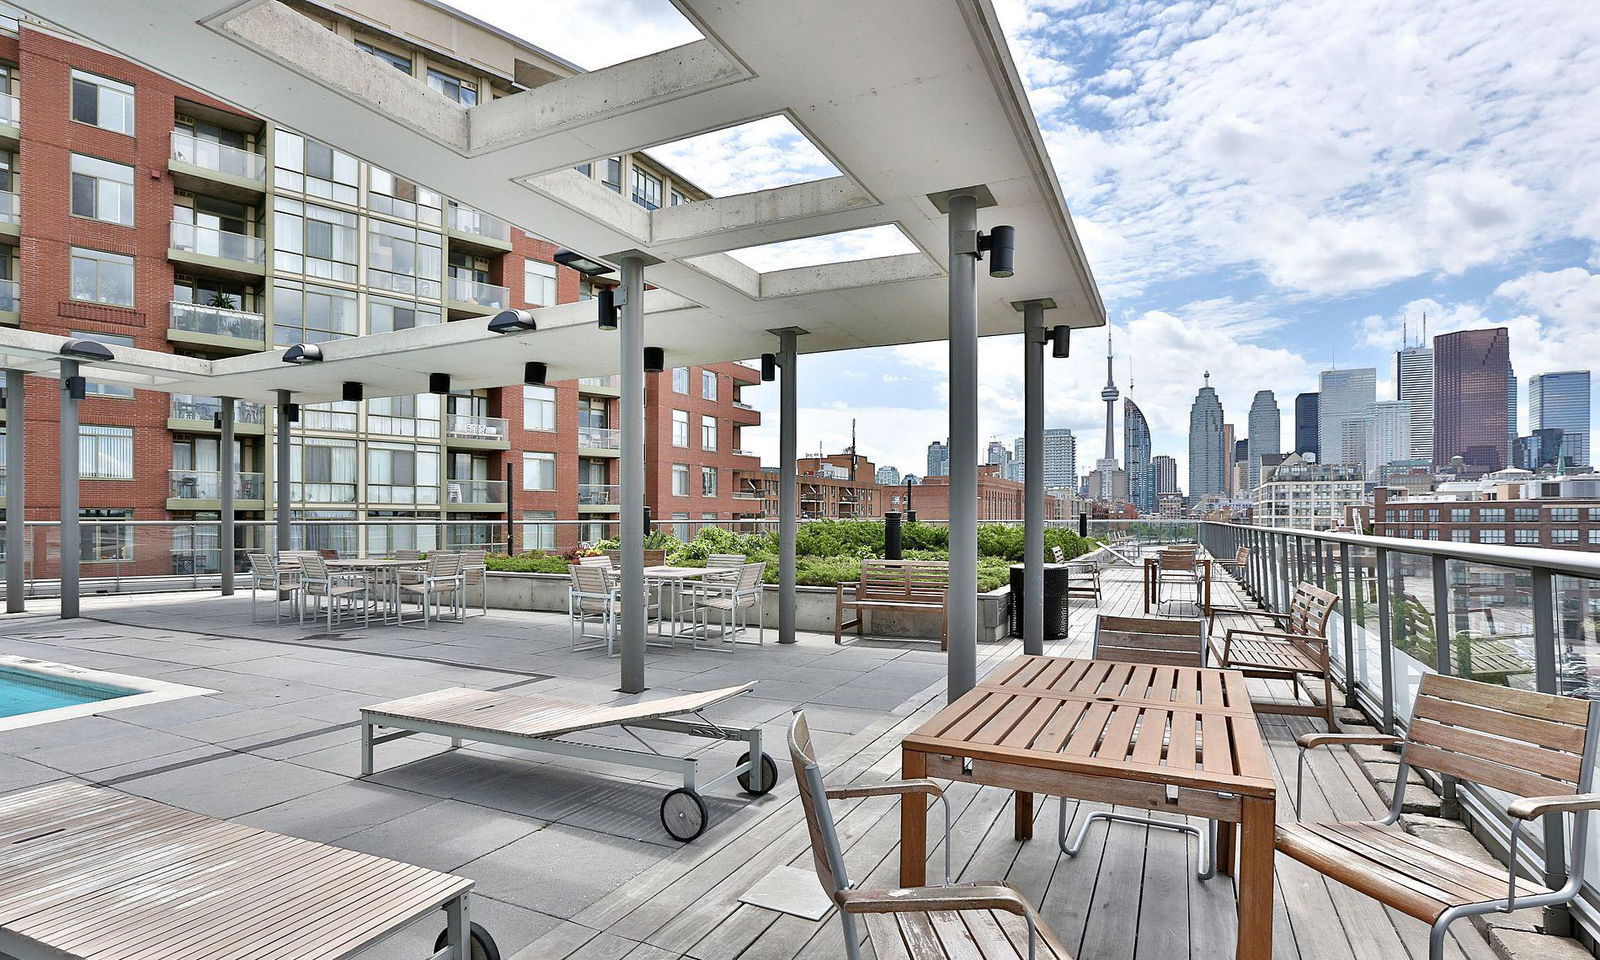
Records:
x=280, y=479
x=788, y=494
x=228, y=471
x=1559, y=920
x=1385, y=641
x=963, y=604
x=1441, y=615
x=1349, y=626
x=1033, y=476
x=71, y=542
x=1285, y=584
x=631, y=467
x=16, y=476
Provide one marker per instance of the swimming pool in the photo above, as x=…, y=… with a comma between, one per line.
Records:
x=39, y=691
x=27, y=691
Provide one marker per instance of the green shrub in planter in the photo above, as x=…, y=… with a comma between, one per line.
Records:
x=534, y=561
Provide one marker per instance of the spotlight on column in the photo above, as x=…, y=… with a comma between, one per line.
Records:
x=606, y=298
x=86, y=351
x=587, y=266
x=439, y=383
x=769, y=367
x=303, y=353
x=533, y=373
x=1001, y=243
x=291, y=412
x=350, y=390
x=655, y=360
x=216, y=420
x=512, y=321
x=2, y=398
x=1061, y=342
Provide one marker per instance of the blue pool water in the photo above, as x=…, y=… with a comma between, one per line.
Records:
x=25, y=692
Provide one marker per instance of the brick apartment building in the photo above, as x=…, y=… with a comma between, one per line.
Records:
x=1559, y=512
x=139, y=212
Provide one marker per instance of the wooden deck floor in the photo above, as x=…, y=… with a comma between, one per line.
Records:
x=1131, y=895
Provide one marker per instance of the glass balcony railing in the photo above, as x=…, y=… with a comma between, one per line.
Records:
x=490, y=296
x=612, y=382
x=211, y=242
x=202, y=409
x=598, y=494
x=222, y=158
x=475, y=491
x=10, y=296
x=463, y=427
x=330, y=493
x=218, y=321
x=744, y=453
x=464, y=219
x=10, y=207
x=398, y=493
x=207, y=485
x=599, y=438
x=10, y=110
x=742, y=405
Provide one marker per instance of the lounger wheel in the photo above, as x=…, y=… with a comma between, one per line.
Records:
x=684, y=814
x=483, y=945
x=769, y=776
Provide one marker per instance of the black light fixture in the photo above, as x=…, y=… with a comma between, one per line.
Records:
x=512, y=321
x=2, y=398
x=1001, y=244
x=351, y=391
x=439, y=383
x=533, y=373
x=87, y=351
x=587, y=266
x=769, y=367
x=1061, y=342
x=606, y=299
x=216, y=420
x=655, y=359
x=303, y=353
x=291, y=412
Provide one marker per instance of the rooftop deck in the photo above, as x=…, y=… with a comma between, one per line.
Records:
x=574, y=865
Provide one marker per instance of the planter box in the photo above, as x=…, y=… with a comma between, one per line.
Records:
x=813, y=607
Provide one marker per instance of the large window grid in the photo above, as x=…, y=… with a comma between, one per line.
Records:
x=402, y=473
x=385, y=314
x=105, y=453
x=322, y=470
x=404, y=416
x=646, y=188
x=404, y=259
x=312, y=314
x=100, y=277
x=400, y=198
x=538, y=408
x=102, y=190
x=314, y=240
x=102, y=102
x=315, y=169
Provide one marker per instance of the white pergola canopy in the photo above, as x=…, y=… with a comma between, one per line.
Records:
x=908, y=99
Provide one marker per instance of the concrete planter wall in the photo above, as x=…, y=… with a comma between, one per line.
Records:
x=813, y=607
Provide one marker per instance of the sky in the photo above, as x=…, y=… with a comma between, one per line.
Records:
x=1263, y=189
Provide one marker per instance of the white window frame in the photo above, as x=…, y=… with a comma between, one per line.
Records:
x=85, y=255
x=538, y=408
x=680, y=380
x=124, y=104
x=538, y=466
x=708, y=432
x=539, y=283
x=680, y=479
x=708, y=384
x=110, y=198
x=708, y=481
x=119, y=441
x=680, y=428
x=538, y=532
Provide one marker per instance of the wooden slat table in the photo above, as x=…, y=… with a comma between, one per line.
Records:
x=94, y=873
x=1178, y=739
x=1152, y=570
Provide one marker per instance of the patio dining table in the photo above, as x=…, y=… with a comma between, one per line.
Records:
x=1182, y=740
x=671, y=582
x=385, y=572
x=1152, y=571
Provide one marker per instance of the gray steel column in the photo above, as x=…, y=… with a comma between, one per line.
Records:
x=227, y=471
x=1545, y=681
x=1441, y=615
x=963, y=605
x=788, y=451
x=281, y=480
x=71, y=542
x=1385, y=640
x=16, y=475
x=1349, y=626
x=631, y=468
x=1033, y=476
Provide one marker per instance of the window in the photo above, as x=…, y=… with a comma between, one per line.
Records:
x=538, y=408
x=1564, y=535
x=95, y=388
x=1594, y=514
x=612, y=177
x=402, y=473
x=384, y=315
x=1491, y=536
x=1563, y=514
x=311, y=314
x=1492, y=514
x=102, y=190
x=415, y=415
x=680, y=428
x=1433, y=515
x=319, y=241
x=537, y=535
x=315, y=169
x=538, y=471
x=464, y=92
x=538, y=283
x=322, y=470
x=708, y=481
x=587, y=169
x=400, y=198
x=1402, y=515
x=105, y=542
x=1461, y=536
x=1594, y=536
x=101, y=102
x=680, y=479
x=708, y=433
x=1525, y=514
x=680, y=526
x=99, y=277
x=680, y=379
x=402, y=259
x=1526, y=536
x=678, y=199
x=1461, y=515
x=708, y=384
x=399, y=61
x=105, y=453
x=646, y=189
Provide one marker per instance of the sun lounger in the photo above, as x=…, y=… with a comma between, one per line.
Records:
x=538, y=723
x=93, y=873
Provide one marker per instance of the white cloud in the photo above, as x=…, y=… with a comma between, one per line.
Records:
x=590, y=36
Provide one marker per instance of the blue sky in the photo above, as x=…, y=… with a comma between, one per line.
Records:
x=1261, y=188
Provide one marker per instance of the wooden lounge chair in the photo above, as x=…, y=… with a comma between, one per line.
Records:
x=893, y=585
x=538, y=723
x=1536, y=746
x=1296, y=651
x=952, y=920
x=96, y=874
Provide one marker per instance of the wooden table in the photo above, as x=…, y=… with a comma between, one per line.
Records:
x=1178, y=739
x=1152, y=567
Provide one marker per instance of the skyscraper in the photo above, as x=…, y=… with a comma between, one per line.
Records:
x=1413, y=378
x=888, y=476
x=1561, y=400
x=1206, y=454
x=1305, y=425
x=1166, y=471
x=1511, y=407
x=1388, y=436
x=1344, y=397
x=1136, y=450
x=938, y=459
x=998, y=455
x=1471, y=402
x=1060, y=458
x=1266, y=432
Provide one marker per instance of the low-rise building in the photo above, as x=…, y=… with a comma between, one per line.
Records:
x=1506, y=507
x=1303, y=495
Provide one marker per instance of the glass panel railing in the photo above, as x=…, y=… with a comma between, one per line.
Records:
x=325, y=492
x=218, y=321
x=599, y=438
x=211, y=242
x=464, y=427
x=10, y=207
x=598, y=494
x=211, y=155
x=612, y=382
x=207, y=485
x=10, y=110
x=400, y=493
x=489, y=296
x=465, y=219
x=186, y=406
x=475, y=491
x=10, y=296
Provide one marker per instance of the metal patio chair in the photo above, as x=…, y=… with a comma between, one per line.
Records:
x=283, y=580
x=440, y=580
x=732, y=600
x=337, y=589
x=475, y=573
x=591, y=596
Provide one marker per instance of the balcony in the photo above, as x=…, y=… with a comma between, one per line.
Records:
x=191, y=414
x=10, y=214
x=467, y=297
x=234, y=255
x=601, y=441
x=211, y=326
x=202, y=490
x=215, y=168
x=10, y=303
x=466, y=495
x=405, y=494
x=477, y=433
x=326, y=492
x=598, y=497
x=474, y=228
x=10, y=120
x=600, y=386
x=744, y=453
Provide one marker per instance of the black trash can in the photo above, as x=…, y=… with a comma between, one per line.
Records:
x=1056, y=610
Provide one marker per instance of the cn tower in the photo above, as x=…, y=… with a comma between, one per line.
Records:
x=1110, y=395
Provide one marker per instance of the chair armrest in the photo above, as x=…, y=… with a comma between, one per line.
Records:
x=988, y=896
x=887, y=788
x=1274, y=636
x=1531, y=808
x=1309, y=740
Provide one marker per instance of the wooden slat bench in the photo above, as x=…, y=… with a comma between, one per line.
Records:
x=93, y=873
x=894, y=585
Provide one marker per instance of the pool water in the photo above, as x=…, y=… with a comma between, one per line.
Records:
x=23, y=691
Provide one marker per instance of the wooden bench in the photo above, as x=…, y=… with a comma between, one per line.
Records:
x=1296, y=651
x=894, y=585
x=1083, y=576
